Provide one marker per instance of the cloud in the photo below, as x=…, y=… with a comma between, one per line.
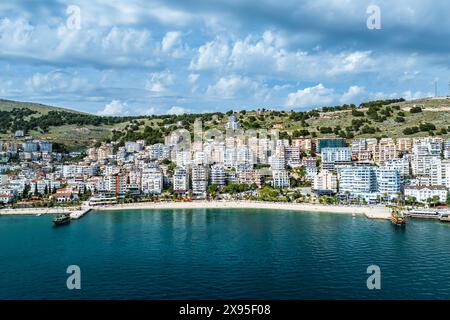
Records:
x=177, y=111
x=160, y=81
x=56, y=81
x=354, y=93
x=114, y=108
x=233, y=86
x=316, y=96
x=213, y=54
x=170, y=40
x=205, y=55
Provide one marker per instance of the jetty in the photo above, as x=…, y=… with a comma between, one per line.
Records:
x=77, y=214
x=80, y=212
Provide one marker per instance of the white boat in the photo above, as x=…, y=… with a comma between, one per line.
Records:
x=424, y=213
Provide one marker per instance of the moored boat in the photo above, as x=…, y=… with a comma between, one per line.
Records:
x=398, y=218
x=445, y=217
x=423, y=213
x=61, y=220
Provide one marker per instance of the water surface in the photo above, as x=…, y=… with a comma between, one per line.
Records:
x=222, y=254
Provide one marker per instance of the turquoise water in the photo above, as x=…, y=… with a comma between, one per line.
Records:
x=222, y=254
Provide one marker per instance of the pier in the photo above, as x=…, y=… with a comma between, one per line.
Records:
x=81, y=211
x=75, y=215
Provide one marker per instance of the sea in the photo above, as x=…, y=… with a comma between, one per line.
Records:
x=222, y=254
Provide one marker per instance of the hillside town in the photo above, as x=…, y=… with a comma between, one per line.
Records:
x=254, y=166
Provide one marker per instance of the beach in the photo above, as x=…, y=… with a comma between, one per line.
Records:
x=372, y=212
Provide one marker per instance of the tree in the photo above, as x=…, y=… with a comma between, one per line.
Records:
x=26, y=191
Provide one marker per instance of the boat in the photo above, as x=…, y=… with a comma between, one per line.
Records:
x=398, y=218
x=423, y=213
x=61, y=220
x=445, y=217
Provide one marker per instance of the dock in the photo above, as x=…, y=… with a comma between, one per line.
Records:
x=75, y=215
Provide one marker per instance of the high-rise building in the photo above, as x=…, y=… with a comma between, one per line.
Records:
x=180, y=180
x=199, y=179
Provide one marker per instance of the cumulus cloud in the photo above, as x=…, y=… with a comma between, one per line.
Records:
x=114, y=108
x=217, y=54
x=234, y=86
x=354, y=93
x=170, y=40
x=177, y=110
x=160, y=81
x=311, y=97
x=213, y=54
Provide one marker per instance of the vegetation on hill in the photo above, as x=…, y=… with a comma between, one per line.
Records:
x=381, y=118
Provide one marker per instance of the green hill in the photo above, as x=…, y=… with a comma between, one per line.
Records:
x=77, y=130
x=9, y=105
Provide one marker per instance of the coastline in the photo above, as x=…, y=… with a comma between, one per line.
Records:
x=372, y=212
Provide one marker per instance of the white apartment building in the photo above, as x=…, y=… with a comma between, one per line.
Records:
x=423, y=193
x=152, y=180
x=181, y=180
x=217, y=175
x=325, y=181
x=400, y=164
x=357, y=180
x=292, y=156
x=277, y=162
x=388, y=182
x=230, y=157
x=199, y=179
x=280, y=179
x=440, y=173
x=335, y=154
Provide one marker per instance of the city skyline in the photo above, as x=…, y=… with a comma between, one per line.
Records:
x=197, y=56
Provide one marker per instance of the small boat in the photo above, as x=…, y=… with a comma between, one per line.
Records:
x=445, y=217
x=398, y=218
x=61, y=220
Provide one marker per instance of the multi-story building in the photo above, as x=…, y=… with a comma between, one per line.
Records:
x=330, y=143
x=425, y=193
x=117, y=184
x=359, y=181
x=280, y=179
x=180, y=180
x=388, y=182
x=310, y=164
x=325, y=182
x=292, y=155
x=217, y=175
x=199, y=179
x=152, y=180
x=277, y=162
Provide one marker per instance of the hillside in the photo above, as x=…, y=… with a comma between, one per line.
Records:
x=73, y=129
x=9, y=105
x=76, y=130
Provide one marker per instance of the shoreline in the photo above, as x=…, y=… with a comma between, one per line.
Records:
x=371, y=212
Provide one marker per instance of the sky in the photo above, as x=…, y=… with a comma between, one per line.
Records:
x=133, y=57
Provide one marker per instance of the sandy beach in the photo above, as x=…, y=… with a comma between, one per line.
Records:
x=372, y=212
